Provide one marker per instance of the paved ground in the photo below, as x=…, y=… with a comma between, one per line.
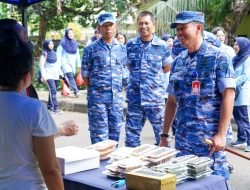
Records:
x=240, y=179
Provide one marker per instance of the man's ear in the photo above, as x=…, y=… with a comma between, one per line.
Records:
x=199, y=27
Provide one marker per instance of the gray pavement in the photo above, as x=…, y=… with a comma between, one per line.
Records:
x=68, y=103
x=240, y=178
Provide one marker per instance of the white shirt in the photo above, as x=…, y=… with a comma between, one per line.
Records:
x=242, y=74
x=228, y=50
x=69, y=62
x=21, y=118
x=49, y=70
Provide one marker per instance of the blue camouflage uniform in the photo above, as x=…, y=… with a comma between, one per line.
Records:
x=211, y=39
x=198, y=115
x=145, y=92
x=103, y=64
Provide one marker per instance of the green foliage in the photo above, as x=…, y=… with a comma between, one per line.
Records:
x=3, y=10
x=216, y=11
x=7, y=11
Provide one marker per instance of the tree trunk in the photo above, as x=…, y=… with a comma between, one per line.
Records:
x=233, y=20
x=42, y=34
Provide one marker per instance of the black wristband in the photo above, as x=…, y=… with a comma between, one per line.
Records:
x=165, y=135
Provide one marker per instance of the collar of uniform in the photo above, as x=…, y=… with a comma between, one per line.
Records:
x=155, y=40
x=114, y=42
x=201, y=50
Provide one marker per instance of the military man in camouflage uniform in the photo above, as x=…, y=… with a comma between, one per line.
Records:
x=102, y=65
x=202, y=85
x=148, y=59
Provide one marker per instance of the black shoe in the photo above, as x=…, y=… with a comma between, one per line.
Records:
x=231, y=168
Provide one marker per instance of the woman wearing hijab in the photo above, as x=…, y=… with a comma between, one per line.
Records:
x=241, y=63
x=69, y=57
x=50, y=70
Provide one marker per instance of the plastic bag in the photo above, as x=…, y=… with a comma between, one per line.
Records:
x=65, y=89
x=79, y=80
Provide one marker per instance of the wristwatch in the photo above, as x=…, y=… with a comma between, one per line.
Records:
x=164, y=135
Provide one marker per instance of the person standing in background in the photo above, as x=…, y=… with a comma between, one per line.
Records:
x=50, y=70
x=97, y=36
x=120, y=37
x=102, y=65
x=241, y=63
x=221, y=34
x=148, y=59
x=69, y=58
x=169, y=40
x=67, y=128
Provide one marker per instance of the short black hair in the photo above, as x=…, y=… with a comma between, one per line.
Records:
x=146, y=13
x=218, y=28
x=16, y=57
x=120, y=33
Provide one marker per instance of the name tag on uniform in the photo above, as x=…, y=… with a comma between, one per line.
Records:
x=196, y=86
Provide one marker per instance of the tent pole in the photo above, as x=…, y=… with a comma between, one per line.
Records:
x=24, y=16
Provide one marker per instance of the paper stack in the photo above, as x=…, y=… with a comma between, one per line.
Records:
x=75, y=159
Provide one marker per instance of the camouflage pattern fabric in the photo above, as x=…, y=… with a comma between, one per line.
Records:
x=135, y=121
x=145, y=92
x=103, y=64
x=198, y=115
x=105, y=121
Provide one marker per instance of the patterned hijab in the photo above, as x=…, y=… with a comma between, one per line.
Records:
x=244, y=53
x=51, y=54
x=69, y=45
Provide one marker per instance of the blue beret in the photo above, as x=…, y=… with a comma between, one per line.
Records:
x=106, y=17
x=188, y=16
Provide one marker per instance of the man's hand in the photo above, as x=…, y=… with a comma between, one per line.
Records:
x=165, y=142
x=68, y=128
x=219, y=143
x=86, y=81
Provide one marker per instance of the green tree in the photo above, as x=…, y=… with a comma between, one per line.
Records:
x=227, y=13
x=53, y=16
x=3, y=10
x=56, y=14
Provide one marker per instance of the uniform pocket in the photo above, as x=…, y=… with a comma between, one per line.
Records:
x=155, y=63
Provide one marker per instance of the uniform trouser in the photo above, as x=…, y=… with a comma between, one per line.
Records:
x=241, y=116
x=135, y=120
x=52, y=100
x=105, y=121
x=191, y=142
x=72, y=82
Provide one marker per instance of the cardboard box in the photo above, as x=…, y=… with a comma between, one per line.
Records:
x=145, y=180
x=75, y=159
